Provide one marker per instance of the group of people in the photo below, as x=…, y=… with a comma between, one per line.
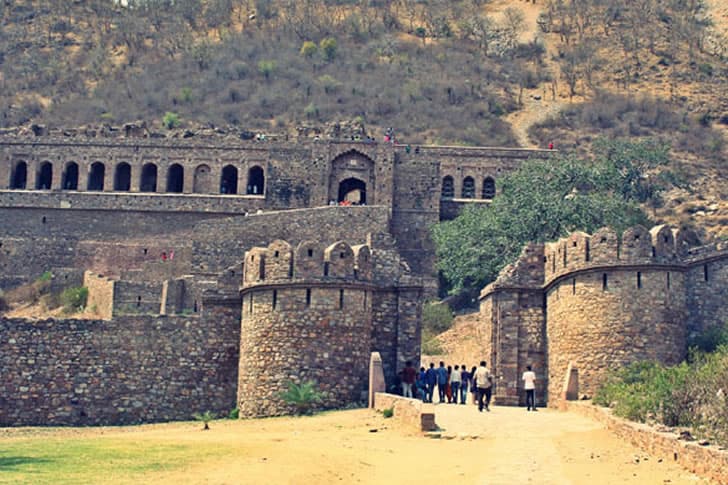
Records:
x=454, y=383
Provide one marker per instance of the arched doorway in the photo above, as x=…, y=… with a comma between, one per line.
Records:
x=256, y=181
x=19, y=177
x=96, y=176
x=175, y=178
x=352, y=178
x=44, y=176
x=148, y=182
x=69, y=180
x=353, y=190
x=229, y=180
x=202, y=183
x=122, y=177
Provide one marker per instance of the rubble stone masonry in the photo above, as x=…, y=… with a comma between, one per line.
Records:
x=599, y=302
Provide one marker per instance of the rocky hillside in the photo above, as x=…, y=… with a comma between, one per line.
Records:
x=498, y=72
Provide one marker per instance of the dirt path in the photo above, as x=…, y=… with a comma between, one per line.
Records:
x=551, y=447
x=505, y=446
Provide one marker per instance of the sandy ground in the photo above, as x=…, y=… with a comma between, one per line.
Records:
x=505, y=446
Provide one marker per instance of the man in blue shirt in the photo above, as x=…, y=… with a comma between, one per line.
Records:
x=430, y=380
x=442, y=380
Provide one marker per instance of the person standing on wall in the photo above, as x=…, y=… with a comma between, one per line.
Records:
x=408, y=379
x=485, y=384
x=529, y=383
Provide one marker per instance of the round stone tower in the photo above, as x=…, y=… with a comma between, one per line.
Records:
x=306, y=316
x=611, y=303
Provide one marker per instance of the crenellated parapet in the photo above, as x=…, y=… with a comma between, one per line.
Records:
x=309, y=262
x=594, y=302
x=636, y=246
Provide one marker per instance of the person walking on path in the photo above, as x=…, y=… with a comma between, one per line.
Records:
x=529, y=383
x=408, y=379
x=474, y=385
x=455, y=381
x=442, y=380
x=484, y=383
x=465, y=379
x=430, y=380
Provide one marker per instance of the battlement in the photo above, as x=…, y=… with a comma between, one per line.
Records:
x=661, y=245
x=280, y=263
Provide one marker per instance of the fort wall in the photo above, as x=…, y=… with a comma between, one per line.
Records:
x=128, y=370
x=606, y=301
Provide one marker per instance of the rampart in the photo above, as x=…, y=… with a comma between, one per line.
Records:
x=160, y=226
x=128, y=370
x=314, y=313
x=599, y=302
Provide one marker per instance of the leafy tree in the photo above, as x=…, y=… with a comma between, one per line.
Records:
x=328, y=48
x=309, y=49
x=170, y=120
x=266, y=68
x=542, y=201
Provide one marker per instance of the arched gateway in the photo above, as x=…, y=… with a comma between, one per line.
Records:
x=352, y=178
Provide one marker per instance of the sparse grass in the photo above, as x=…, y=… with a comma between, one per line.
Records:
x=118, y=460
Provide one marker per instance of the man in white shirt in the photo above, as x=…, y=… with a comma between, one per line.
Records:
x=484, y=381
x=529, y=383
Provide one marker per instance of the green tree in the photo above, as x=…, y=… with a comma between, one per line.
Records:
x=328, y=48
x=170, y=120
x=309, y=49
x=542, y=201
x=267, y=68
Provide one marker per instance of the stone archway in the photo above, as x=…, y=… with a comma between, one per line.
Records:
x=352, y=190
x=352, y=171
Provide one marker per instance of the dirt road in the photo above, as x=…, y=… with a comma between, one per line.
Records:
x=505, y=446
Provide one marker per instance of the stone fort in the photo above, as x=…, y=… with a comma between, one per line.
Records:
x=222, y=268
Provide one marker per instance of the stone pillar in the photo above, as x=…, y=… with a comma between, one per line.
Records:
x=243, y=179
x=57, y=176
x=83, y=168
x=376, y=377
x=135, y=175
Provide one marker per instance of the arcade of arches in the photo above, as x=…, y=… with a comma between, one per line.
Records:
x=351, y=179
x=122, y=179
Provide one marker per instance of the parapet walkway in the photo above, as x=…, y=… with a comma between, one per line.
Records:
x=551, y=447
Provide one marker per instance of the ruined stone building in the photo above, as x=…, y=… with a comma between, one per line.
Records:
x=220, y=268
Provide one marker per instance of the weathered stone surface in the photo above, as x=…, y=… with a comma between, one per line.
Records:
x=599, y=302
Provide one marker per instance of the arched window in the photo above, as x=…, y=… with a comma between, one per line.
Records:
x=256, y=181
x=202, y=183
x=122, y=177
x=148, y=182
x=96, y=176
x=19, y=177
x=69, y=180
x=229, y=180
x=448, y=187
x=44, y=176
x=175, y=178
x=468, y=188
x=488, y=188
